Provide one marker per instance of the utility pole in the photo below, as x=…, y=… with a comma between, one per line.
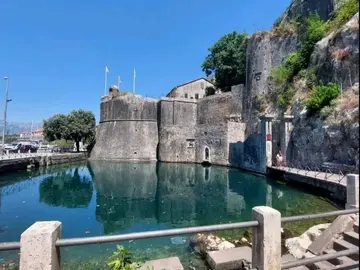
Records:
x=6, y=102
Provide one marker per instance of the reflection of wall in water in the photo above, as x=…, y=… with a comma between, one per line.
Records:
x=185, y=194
x=125, y=193
x=176, y=194
x=250, y=187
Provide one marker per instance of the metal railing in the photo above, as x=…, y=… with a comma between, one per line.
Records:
x=321, y=258
x=201, y=229
x=7, y=156
x=314, y=171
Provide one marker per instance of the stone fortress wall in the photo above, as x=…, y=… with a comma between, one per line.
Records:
x=178, y=130
x=127, y=129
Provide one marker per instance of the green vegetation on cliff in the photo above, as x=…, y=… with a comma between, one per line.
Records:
x=322, y=95
x=311, y=31
x=345, y=11
x=227, y=59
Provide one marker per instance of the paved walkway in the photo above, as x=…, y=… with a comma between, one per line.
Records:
x=323, y=176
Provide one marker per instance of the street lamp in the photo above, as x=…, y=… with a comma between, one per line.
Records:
x=6, y=79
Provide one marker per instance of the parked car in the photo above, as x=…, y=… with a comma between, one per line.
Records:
x=12, y=147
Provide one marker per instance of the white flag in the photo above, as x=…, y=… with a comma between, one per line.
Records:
x=134, y=73
x=106, y=69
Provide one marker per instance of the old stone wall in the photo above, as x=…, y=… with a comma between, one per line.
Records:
x=215, y=109
x=177, y=121
x=128, y=129
x=264, y=51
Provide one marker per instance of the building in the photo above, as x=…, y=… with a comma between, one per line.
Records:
x=194, y=89
x=36, y=134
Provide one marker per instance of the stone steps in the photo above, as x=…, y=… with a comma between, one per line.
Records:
x=321, y=265
x=340, y=245
x=340, y=260
x=356, y=227
x=229, y=258
x=352, y=238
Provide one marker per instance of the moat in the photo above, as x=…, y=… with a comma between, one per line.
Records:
x=98, y=198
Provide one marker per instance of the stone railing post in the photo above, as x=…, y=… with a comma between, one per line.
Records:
x=38, y=250
x=266, y=239
x=352, y=191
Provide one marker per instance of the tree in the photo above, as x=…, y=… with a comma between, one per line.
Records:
x=81, y=126
x=77, y=126
x=53, y=128
x=227, y=60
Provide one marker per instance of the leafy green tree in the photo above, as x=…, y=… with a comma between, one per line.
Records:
x=81, y=127
x=77, y=126
x=53, y=128
x=227, y=60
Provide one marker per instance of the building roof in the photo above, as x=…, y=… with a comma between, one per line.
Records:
x=189, y=83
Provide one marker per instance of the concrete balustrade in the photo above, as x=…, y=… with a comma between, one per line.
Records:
x=352, y=191
x=266, y=244
x=38, y=248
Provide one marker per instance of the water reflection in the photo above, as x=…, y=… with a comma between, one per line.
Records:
x=67, y=189
x=125, y=193
x=100, y=198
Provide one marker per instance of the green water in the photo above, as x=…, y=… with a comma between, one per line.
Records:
x=98, y=198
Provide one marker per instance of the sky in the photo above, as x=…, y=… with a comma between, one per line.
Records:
x=55, y=52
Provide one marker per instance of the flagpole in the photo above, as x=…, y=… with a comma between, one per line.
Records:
x=105, y=80
x=134, y=82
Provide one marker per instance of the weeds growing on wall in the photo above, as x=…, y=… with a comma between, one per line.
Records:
x=321, y=96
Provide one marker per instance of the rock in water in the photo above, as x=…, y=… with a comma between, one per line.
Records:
x=178, y=240
x=203, y=243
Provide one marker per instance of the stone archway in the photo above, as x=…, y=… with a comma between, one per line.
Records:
x=207, y=154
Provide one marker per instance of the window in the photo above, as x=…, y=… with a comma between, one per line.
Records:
x=191, y=97
x=196, y=96
x=202, y=85
x=186, y=95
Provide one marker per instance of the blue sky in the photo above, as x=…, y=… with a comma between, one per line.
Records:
x=55, y=52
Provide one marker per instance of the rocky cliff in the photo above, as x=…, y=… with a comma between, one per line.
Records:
x=336, y=57
x=304, y=7
x=333, y=135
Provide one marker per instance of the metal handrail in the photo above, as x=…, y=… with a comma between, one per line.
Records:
x=320, y=215
x=321, y=258
x=171, y=232
x=160, y=233
x=9, y=246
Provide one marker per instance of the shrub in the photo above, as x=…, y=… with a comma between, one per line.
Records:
x=285, y=97
x=210, y=90
x=345, y=11
x=322, y=96
x=122, y=260
x=326, y=111
x=290, y=27
x=309, y=76
x=315, y=30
